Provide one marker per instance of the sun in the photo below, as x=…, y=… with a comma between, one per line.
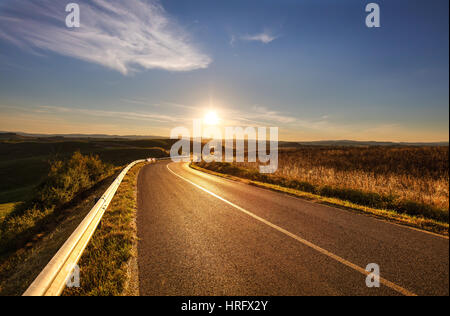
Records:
x=211, y=118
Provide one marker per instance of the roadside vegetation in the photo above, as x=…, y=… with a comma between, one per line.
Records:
x=24, y=160
x=48, y=187
x=20, y=267
x=34, y=230
x=410, y=181
x=65, y=181
x=107, y=264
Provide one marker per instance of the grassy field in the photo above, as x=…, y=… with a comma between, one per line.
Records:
x=25, y=162
x=418, y=174
x=408, y=180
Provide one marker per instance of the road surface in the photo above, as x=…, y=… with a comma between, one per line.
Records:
x=204, y=235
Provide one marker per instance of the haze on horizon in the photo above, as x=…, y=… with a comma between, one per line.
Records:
x=143, y=67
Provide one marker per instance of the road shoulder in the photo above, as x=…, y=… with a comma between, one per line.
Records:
x=108, y=266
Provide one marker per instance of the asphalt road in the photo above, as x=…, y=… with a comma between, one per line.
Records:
x=204, y=235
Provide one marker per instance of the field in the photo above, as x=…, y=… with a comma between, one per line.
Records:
x=406, y=179
x=25, y=161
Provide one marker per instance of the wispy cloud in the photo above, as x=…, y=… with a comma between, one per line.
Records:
x=141, y=116
x=138, y=102
x=232, y=40
x=266, y=115
x=256, y=116
x=124, y=35
x=265, y=37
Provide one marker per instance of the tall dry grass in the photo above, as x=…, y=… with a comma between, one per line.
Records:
x=399, y=175
x=410, y=173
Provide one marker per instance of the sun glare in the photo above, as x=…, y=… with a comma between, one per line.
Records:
x=211, y=118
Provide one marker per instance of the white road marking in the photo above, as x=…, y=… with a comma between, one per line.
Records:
x=347, y=263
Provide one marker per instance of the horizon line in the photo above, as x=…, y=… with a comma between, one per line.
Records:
x=99, y=135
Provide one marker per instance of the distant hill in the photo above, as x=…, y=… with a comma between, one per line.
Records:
x=369, y=143
x=55, y=137
x=24, y=136
x=13, y=136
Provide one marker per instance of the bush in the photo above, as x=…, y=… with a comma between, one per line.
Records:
x=67, y=178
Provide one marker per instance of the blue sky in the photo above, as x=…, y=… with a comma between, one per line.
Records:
x=310, y=67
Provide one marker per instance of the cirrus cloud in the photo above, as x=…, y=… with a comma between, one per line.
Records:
x=124, y=35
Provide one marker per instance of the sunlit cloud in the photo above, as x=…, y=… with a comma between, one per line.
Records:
x=257, y=116
x=124, y=35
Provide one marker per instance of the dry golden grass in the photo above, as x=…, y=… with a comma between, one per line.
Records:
x=419, y=174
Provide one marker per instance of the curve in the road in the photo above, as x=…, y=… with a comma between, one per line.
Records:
x=204, y=235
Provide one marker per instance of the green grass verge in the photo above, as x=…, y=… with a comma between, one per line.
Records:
x=106, y=264
x=419, y=222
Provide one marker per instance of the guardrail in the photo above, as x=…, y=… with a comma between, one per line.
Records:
x=52, y=280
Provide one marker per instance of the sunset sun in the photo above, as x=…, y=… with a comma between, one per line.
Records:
x=211, y=118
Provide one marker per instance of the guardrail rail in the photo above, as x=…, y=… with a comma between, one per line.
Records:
x=52, y=280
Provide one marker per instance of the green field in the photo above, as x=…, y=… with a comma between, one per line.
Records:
x=25, y=162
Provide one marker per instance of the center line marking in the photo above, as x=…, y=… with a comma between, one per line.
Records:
x=347, y=263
